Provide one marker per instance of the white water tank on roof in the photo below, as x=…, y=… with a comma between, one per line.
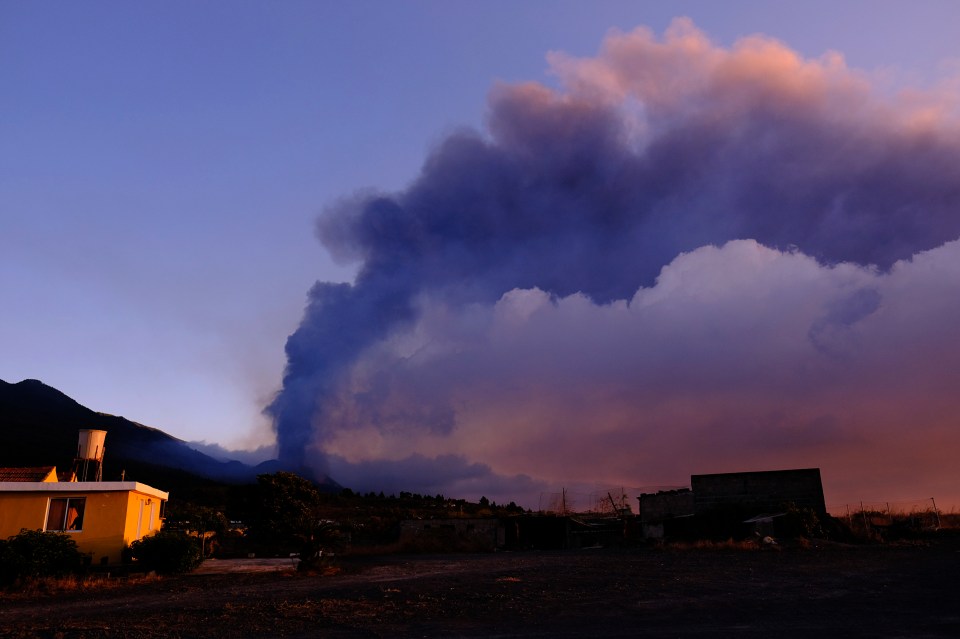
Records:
x=90, y=445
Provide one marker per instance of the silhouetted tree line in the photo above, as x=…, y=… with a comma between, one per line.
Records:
x=284, y=513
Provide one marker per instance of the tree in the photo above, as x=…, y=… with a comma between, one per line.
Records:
x=201, y=520
x=206, y=520
x=289, y=514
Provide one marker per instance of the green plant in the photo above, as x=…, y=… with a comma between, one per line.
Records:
x=35, y=554
x=167, y=552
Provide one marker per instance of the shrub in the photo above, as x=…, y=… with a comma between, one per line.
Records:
x=35, y=554
x=166, y=553
x=800, y=523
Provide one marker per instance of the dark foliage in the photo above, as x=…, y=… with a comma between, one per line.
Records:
x=290, y=517
x=202, y=520
x=167, y=552
x=287, y=508
x=35, y=554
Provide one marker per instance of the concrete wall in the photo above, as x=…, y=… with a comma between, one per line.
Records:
x=19, y=511
x=655, y=507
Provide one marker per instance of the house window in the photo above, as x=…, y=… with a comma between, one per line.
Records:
x=66, y=515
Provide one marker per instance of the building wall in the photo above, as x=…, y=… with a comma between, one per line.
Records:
x=111, y=519
x=655, y=507
x=764, y=491
x=142, y=517
x=19, y=511
x=102, y=533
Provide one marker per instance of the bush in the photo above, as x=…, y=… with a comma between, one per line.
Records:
x=34, y=554
x=801, y=523
x=166, y=553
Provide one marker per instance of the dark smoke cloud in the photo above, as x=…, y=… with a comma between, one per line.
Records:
x=340, y=320
x=650, y=151
x=449, y=475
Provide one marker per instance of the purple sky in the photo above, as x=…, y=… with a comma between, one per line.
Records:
x=163, y=168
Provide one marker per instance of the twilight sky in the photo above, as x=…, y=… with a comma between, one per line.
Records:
x=580, y=244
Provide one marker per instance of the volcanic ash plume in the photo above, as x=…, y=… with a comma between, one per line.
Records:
x=683, y=248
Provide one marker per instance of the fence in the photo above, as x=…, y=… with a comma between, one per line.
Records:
x=882, y=516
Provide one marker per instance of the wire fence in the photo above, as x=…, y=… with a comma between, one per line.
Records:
x=612, y=500
x=875, y=517
x=907, y=507
x=879, y=515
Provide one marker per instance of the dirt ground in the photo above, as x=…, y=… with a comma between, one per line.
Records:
x=878, y=591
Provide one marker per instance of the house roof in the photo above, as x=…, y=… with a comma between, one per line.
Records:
x=37, y=473
x=81, y=487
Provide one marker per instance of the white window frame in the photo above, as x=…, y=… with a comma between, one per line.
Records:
x=61, y=526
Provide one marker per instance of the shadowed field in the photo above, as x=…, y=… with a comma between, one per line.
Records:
x=869, y=591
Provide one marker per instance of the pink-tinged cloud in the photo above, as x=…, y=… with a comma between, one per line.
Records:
x=738, y=357
x=688, y=259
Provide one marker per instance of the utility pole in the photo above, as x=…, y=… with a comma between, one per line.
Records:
x=936, y=513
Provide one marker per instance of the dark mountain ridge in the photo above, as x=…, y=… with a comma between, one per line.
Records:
x=39, y=427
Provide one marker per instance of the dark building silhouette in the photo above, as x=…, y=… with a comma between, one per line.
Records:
x=761, y=492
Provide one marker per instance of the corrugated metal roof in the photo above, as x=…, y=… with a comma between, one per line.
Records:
x=39, y=473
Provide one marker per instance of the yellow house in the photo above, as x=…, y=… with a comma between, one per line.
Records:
x=101, y=516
